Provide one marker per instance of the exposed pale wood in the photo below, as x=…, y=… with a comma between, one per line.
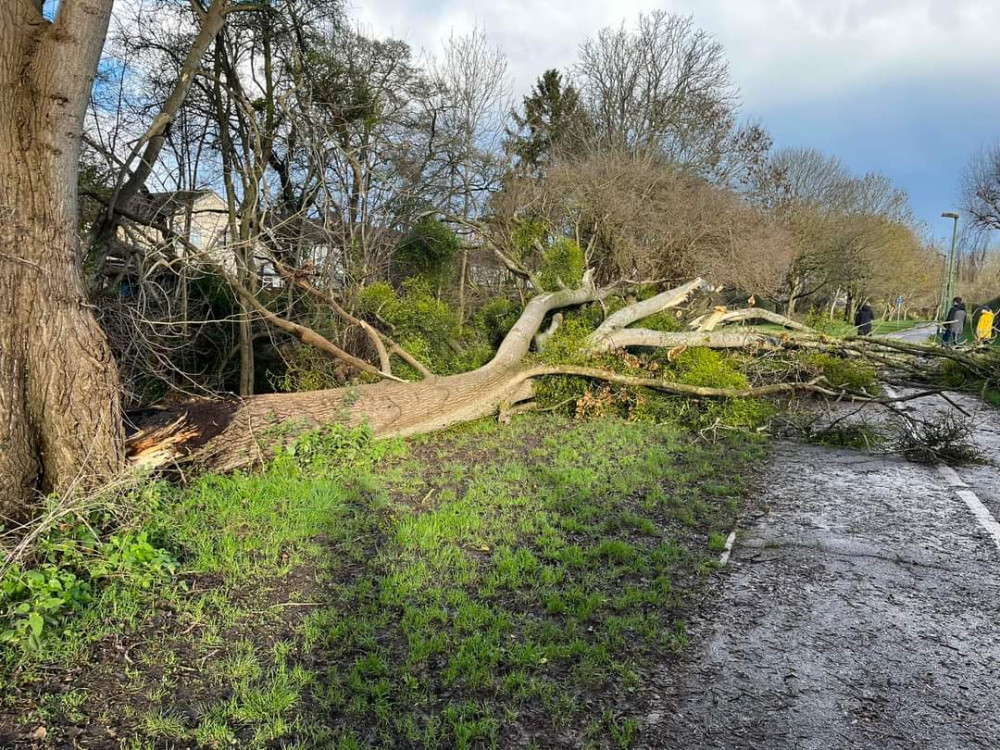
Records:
x=155, y=447
x=721, y=316
x=639, y=310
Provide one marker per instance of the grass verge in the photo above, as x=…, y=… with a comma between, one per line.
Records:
x=491, y=586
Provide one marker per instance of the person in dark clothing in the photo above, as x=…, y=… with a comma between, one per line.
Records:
x=863, y=319
x=954, y=323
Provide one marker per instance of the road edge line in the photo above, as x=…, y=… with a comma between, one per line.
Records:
x=724, y=557
x=982, y=514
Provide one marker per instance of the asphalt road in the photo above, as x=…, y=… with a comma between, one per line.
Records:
x=861, y=610
x=916, y=335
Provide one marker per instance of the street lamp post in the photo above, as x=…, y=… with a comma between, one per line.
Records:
x=949, y=284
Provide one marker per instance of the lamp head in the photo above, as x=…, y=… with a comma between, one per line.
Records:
x=950, y=215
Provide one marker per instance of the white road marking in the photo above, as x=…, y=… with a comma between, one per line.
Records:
x=951, y=476
x=982, y=514
x=980, y=511
x=724, y=558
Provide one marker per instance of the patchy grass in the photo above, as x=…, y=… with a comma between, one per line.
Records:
x=489, y=586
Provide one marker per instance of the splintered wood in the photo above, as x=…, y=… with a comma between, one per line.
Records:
x=160, y=445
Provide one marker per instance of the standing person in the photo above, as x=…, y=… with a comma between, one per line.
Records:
x=863, y=319
x=985, y=325
x=954, y=324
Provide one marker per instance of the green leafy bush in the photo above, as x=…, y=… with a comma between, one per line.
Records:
x=563, y=262
x=333, y=447
x=566, y=344
x=707, y=368
x=665, y=321
x=528, y=232
x=375, y=298
x=419, y=312
x=421, y=323
x=473, y=356
x=710, y=369
x=72, y=562
x=560, y=392
x=740, y=413
x=39, y=600
x=428, y=251
x=496, y=317
x=842, y=372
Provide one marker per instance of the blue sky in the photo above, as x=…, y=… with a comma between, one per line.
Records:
x=910, y=88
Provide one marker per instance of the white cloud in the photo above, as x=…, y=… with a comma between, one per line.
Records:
x=780, y=50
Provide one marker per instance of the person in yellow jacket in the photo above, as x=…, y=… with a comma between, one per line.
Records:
x=984, y=325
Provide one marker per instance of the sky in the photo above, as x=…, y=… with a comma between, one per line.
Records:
x=909, y=88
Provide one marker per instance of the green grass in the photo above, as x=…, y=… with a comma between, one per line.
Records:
x=473, y=588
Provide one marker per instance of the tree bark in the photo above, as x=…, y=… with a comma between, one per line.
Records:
x=710, y=322
x=794, y=290
x=395, y=408
x=60, y=416
x=246, y=271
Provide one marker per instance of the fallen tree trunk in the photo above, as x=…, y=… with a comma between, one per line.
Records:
x=393, y=408
x=406, y=408
x=254, y=426
x=641, y=337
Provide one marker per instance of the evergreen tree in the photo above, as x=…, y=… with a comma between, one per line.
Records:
x=551, y=118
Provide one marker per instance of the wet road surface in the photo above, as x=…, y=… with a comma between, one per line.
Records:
x=862, y=610
x=917, y=335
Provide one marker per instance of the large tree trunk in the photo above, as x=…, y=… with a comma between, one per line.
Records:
x=395, y=408
x=795, y=288
x=253, y=427
x=388, y=408
x=59, y=404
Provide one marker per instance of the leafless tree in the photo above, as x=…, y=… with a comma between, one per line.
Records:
x=663, y=86
x=981, y=188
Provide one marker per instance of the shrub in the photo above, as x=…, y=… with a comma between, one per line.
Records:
x=335, y=448
x=528, y=232
x=422, y=324
x=707, y=368
x=560, y=392
x=474, y=356
x=496, y=317
x=710, y=369
x=428, y=250
x=740, y=413
x=563, y=262
x=665, y=321
x=419, y=312
x=842, y=372
x=566, y=344
x=375, y=298
x=72, y=561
